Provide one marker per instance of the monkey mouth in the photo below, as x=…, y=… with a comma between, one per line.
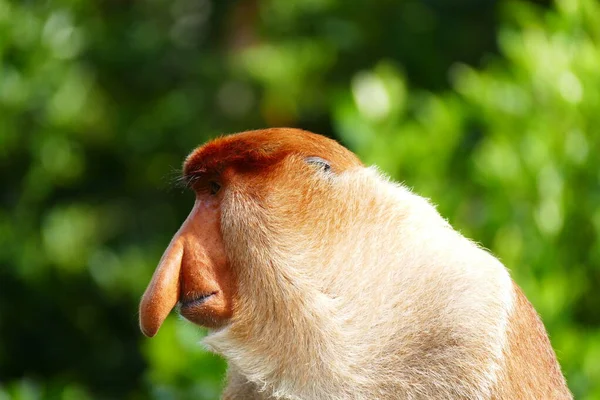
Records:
x=199, y=309
x=204, y=309
x=193, y=302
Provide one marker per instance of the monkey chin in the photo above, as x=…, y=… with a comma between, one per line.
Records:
x=206, y=310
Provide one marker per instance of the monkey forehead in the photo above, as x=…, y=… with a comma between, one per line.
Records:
x=262, y=148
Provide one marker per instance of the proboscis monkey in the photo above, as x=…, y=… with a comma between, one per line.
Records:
x=318, y=278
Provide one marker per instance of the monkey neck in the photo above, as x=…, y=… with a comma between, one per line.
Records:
x=287, y=337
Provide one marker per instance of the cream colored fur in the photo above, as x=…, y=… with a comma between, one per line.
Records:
x=352, y=287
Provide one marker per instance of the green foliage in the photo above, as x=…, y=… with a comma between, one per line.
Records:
x=100, y=102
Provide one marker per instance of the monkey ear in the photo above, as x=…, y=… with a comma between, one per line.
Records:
x=319, y=163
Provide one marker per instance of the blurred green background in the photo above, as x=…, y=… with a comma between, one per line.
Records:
x=491, y=109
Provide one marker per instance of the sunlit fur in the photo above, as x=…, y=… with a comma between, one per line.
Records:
x=349, y=286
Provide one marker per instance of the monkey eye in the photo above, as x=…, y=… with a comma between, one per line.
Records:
x=214, y=187
x=319, y=162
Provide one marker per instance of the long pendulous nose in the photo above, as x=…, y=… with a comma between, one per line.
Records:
x=193, y=267
x=162, y=293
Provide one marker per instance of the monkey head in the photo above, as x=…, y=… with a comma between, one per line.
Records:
x=246, y=186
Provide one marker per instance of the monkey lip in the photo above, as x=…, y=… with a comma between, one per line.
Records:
x=211, y=310
x=202, y=309
x=193, y=302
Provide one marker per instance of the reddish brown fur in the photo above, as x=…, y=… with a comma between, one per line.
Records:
x=260, y=149
x=531, y=370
